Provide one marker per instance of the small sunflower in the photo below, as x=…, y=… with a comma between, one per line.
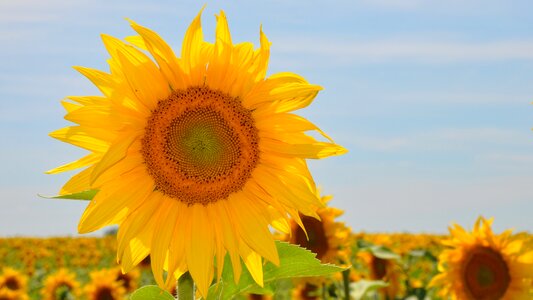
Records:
x=59, y=285
x=103, y=285
x=130, y=280
x=483, y=266
x=13, y=281
x=7, y=294
x=195, y=156
x=329, y=239
x=386, y=269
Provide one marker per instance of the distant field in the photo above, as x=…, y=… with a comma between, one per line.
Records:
x=37, y=258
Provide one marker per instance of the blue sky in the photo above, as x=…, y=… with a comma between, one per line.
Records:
x=432, y=98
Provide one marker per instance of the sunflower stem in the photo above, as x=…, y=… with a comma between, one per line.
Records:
x=346, y=283
x=185, y=287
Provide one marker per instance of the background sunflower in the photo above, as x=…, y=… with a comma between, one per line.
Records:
x=484, y=265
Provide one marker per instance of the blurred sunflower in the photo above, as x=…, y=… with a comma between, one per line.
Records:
x=483, y=265
x=130, y=280
x=13, y=282
x=103, y=285
x=7, y=294
x=61, y=285
x=386, y=269
x=329, y=239
x=200, y=149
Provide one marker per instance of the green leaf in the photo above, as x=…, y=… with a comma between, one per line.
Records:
x=359, y=289
x=294, y=262
x=151, y=292
x=85, y=195
x=383, y=253
x=422, y=253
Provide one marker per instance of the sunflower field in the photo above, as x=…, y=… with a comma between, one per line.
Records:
x=377, y=266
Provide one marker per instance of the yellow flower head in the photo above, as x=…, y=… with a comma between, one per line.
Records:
x=7, y=294
x=193, y=156
x=13, y=281
x=103, y=285
x=130, y=280
x=387, y=270
x=62, y=282
x=483, y=265
x=328, y=238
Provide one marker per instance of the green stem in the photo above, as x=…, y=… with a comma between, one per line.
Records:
x=186, y=287
x=346, y=282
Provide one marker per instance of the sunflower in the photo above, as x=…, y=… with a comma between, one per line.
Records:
x=193, y=157
x=484, y=265
x=13, y=282
x=7, y=294
x=103, y=285
x=386, y=269
x=59, y=285
x=129, y=281
x=329, y=239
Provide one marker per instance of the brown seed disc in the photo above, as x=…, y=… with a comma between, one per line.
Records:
x=486, y=275
x=317, y=242
x=200, y=145
x=379, y=267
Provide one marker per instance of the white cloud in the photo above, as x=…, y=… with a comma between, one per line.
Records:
x=443, y=140
x=400, y=203
x=408, y=49
x=32, y=11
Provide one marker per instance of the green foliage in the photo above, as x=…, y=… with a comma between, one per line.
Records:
x=377, y=250
x=360, y=288
x=151, y=292
x=294, y=262
x=85, y=195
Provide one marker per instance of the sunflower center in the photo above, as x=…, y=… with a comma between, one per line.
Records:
x=125, y=280
x=379, y=267
x=486, y=274
x=200, y=145
x=104, y=294
x=12, y=284
x=62, y=292
x=317, y=242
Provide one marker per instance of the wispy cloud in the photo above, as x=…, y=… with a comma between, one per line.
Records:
x=420, y=50
x=435, y=202
x=443, y=140
x=33, y=11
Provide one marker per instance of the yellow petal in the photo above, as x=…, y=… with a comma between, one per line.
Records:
x=103, y=81
x=252, y=226
x=163, y=54
x=113, y=201
x=282, y=92
x=134, y=224
x=80, y=163
x=201, y=248
x=316, y=150
x=253, y=262
x=164, y=228
x=229, y=238
x=78, y=183
x=116, y=152
x=88, y=138
x=191, y=51
x=286, y=122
